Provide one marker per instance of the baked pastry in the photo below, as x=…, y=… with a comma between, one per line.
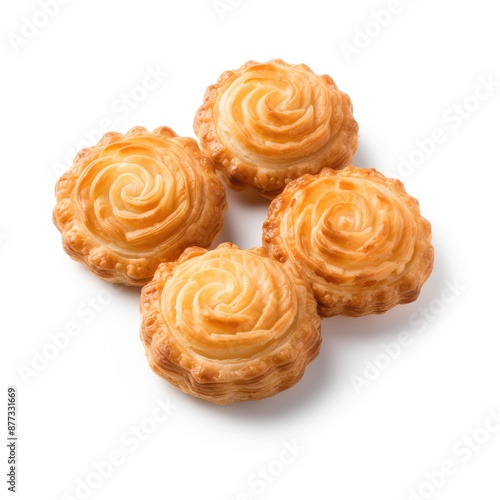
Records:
x=266, y=124
x=135, y=200
x=357, y=236
x=229, y=325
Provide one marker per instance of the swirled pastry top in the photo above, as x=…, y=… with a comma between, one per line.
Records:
x=229, y=324
x=266, y=124
x=358, y=237
x=135, y=200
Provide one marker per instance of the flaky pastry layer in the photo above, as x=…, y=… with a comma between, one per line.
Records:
x=135, y=200
x=266, y=124
x=229, y=325
x=357, y=236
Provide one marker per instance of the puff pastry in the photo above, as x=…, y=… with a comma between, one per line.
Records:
x=135, y=200
x=228, y=325
x=266, y=124
x=357, y=236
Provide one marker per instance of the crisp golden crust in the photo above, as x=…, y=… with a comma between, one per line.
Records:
x=266, y=124
x=357, y=236
x=229, y=325
x=135, y=200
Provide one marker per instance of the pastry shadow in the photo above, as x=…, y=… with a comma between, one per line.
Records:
x=227, y=234
x=248, y=197
x=310, y=390
x=363, y=158
x=117, y=289
x=130, y=291
x=389, y=325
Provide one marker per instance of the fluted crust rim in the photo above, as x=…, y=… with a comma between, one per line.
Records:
x=336, y=151
x=134, y=265
x=363, y=291
x=225, y=380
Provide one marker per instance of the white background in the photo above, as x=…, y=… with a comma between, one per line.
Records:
x=375, y=442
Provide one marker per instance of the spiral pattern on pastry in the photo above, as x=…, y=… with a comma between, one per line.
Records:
x=137, y=199
x=266, y=124
x=228, y=325
x=357, y=236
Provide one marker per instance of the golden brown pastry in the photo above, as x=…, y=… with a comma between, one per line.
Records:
x=135, y=200
x=357, y=236
x=229, y=325
x=266, y=124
